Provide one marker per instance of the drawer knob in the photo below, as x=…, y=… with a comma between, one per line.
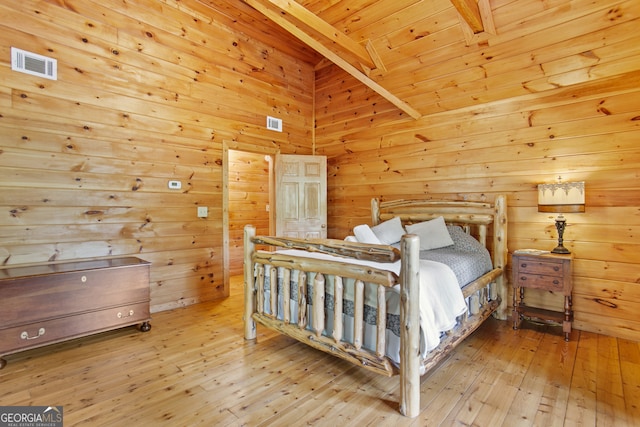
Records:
x=25, y=335
x=523, y=278
x=121, y=316
x=83, y=279
x=523, y=265
x=556, y=268
x=556, y=282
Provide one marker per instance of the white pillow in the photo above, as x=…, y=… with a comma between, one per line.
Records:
x=351, y=239
x=364, y=234
x=389, y=232
x=433, y=234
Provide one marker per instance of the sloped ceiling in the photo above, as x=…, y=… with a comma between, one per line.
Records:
x=373, y=40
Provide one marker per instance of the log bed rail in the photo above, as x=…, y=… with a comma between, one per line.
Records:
x=485, y=296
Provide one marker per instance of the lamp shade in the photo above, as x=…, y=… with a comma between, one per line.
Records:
x=561, y=197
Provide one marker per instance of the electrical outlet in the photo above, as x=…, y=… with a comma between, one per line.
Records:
x=203, y=212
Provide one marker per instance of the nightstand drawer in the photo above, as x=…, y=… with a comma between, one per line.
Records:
x=552, y=283
x=536, y=266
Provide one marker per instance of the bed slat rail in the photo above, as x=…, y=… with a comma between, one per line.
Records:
x=381, y=322
x=338, y=292
x=318, y=304
x=450, y=218
x=358, y=316
x=360, y=272
x=362, y=251
x=302, y=300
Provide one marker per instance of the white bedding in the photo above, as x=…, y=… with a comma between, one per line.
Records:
x=441, y=302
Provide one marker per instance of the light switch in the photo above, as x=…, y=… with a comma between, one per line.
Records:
x=203, y=212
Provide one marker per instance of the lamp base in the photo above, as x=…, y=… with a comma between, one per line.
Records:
x=560, y=250
x=560, y=226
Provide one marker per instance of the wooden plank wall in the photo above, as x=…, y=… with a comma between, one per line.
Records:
x=146, y=93
x=555, y=92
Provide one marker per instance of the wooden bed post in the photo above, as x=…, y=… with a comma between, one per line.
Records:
x=375, y=211
x=500, y=252
x=410, y=326
x=249, y=291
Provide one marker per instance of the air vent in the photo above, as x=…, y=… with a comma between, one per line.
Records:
x=274, y=124
x=34, y=64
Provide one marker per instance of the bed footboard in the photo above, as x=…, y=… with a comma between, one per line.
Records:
x=268, y=303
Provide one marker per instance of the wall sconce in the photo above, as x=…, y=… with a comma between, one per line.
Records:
x=563, y=197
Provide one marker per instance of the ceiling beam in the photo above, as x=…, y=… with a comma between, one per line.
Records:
x=271, y=9
x=290, y=10
x=470, y=12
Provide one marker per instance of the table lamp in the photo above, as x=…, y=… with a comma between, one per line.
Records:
x=561, y=197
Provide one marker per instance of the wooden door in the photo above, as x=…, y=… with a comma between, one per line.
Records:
x=301, y=196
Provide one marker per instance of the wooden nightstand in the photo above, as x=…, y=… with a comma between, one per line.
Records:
x=546, y=271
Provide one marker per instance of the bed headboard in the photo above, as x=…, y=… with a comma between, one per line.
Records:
x=476, y=216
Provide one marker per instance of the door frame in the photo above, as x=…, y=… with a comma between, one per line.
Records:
x=227, y=145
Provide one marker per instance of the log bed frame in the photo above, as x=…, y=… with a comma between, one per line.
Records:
x=485, y=296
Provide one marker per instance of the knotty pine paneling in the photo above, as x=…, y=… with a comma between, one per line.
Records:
x=146, y=93
x=248, y=202
x=556, y=92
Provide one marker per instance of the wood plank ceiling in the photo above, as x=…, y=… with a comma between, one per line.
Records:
x=356, y=35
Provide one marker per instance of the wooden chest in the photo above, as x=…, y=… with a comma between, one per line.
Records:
x=46, y=304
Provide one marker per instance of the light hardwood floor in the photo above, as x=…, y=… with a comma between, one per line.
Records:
x=194, y=368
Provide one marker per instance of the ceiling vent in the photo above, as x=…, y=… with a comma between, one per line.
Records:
x=34, y=64
x=274, y=124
